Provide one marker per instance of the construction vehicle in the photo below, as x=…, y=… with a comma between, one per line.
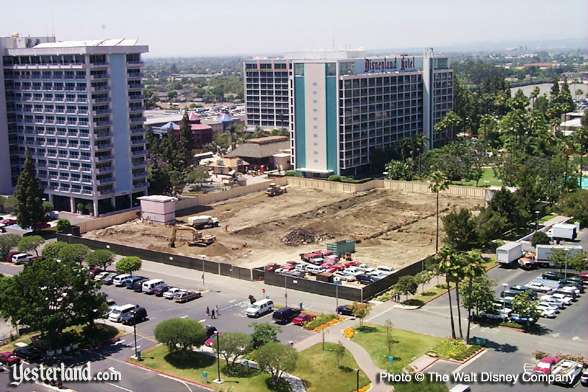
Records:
x=275, y=190
x=198, y=239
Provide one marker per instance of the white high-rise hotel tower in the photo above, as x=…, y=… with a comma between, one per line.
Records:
x=77, y=108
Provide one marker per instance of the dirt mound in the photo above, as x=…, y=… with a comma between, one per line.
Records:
x=300, y=236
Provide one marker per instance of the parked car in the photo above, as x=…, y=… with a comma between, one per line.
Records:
x=344, y=277
x=186, y=296
x=346, y=310
x=8, y=221
x=8, y=358
x=552, y=275
x=21, y=258
x=385, y=269
x=584, y=378
x=522, y=289
x=259, y=308
x=160, y=290
x=107, y=280
x=29, y=353
x=134, y=317
x=119, y=280
x=552, y=300
x=138, y=285
x=171, y=293
x=285, y=315
x=548, y=313
x=572, y=371
x=365, y=279
x=574, y=283
x=547, y=306
x=545, y=365
x=93, y=271
x=130, y=281
x=314, y=269
x=210, y=330
x=118, y=312
x=583, y=276
x=569, y=291
x=567, y=300
x=303, y=318
x=40, y=226
x=272, y=267
x=522, y=320
x=101, y=275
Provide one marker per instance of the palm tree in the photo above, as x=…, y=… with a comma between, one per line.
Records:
x=446, y=261
x=437, y=183
x=534, y=94
x=568, y=148
x=472, y=269
x=457, y=273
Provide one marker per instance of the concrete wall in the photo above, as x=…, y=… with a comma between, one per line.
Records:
x=403, y=186
x=188, y=202
x=109, y=220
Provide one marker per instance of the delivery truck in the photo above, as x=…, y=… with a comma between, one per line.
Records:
x=509, y=253
x=203, y=222
x=564, y=231
x=543, y=252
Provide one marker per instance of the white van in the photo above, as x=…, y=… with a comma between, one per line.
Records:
x=151, y=285
x=21, y=258
x=119, y=279
x=259, y=308
x=116, y=313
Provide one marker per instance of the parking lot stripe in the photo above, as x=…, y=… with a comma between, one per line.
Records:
x=119, y=387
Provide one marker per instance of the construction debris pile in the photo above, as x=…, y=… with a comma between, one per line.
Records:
x=299, y=237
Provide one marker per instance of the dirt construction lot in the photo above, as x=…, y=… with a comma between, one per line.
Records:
x=392, y=228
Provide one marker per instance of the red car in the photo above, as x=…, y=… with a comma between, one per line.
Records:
x=8, y=358
x=41, y=225
x=584, y=276
x=303, y=318
x=545, y=365
x=8, y=221
x=272, y=267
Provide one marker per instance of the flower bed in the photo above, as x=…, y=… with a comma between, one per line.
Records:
x=348, y=332
x=321, y=322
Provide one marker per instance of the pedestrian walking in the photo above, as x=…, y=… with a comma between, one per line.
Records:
x=212, y=315
x=207, y=311
x=217, y=311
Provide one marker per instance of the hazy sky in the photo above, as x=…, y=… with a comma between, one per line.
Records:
x=223, y=27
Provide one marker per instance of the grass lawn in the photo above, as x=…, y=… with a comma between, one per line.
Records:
x=319, y=370
x=315, y=366
x=488, y=179
x=24, y=338
x=406, y=346
x=420, y=387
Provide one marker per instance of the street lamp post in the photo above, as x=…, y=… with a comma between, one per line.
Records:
x=337, y=280
x=357, y=380
x=218, y=376
x=537, y=220
x=286, y=291
x=135, y=338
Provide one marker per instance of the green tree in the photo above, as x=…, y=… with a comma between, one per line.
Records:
x=197, y=175
x=52, y=249
x=400, y=170
x=185, y=141
x=422, y=278
x=437, y=183
x=7, y=242
x=128, y=265
x=73, y=253
x=264, y=333
x=29, y=195
x=479, y=297
x=180, y=334
x=406, y=285
x=233, y=346
x=49, y=296
x=276, y=359
x=460, y=230
x=539, y=238
x=101, y=258
x=489, y=226
x=577, y=262
x=360, y=311
x=30, y=243
x=449, y=123
x=446, y=262
x=575, y=204
x=63, y=226
x=472, y=269
x=525, y=306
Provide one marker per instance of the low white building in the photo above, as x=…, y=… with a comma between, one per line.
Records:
x=158, y=208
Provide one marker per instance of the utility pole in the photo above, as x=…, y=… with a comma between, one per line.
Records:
x=286, y=291
x=218, y=376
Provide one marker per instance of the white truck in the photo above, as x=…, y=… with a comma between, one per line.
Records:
x=543, y=252
x=509, y=253
x=567, y=372
x=203, y=222
x=564, y=231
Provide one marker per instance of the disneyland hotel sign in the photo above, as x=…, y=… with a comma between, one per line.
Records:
x=388, y=64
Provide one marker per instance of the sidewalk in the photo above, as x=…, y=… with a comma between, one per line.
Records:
x=363, y=359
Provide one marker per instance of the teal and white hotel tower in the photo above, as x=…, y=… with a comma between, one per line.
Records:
x=341, y=106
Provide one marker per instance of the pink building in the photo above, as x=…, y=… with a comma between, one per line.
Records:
x=158, y=208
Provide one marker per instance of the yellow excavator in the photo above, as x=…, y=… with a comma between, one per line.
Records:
x=198, y=239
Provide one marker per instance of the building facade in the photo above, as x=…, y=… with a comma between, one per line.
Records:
x=344, y=108
x=77, y=108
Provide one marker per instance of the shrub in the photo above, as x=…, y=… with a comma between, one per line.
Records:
x=180, y=334
x=100, y=257
x=539, y=238
x=63, y=226
x=319, y=320
x=7, y=242
x=128, y=264
x=276, y=359
x=73, y=253
x=455, y=349
x=52, y=249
